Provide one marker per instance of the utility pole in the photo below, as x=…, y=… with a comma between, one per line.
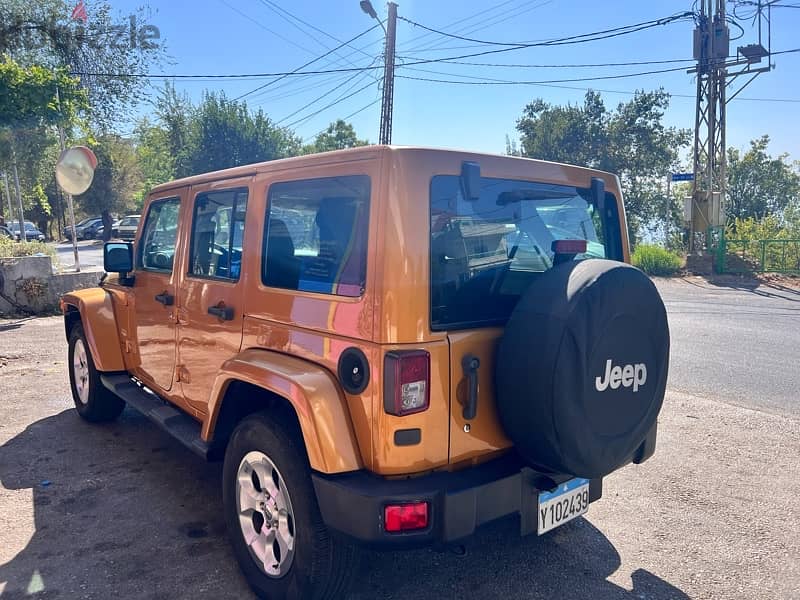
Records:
x=8, y=196
x=387, y=103
x=714, y=76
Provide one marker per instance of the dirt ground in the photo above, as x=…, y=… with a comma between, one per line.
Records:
x=123, y=511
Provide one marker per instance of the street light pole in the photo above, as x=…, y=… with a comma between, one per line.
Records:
x=69, y=196
x=22, y=236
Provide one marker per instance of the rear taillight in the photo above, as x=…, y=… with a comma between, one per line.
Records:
x=405, y=517
x=406, y=388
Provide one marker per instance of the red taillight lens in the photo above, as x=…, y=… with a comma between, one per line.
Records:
x=406, y=387
x=405, y=517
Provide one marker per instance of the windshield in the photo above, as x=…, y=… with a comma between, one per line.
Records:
x=484, y=253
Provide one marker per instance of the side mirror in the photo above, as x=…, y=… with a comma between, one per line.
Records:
x=471, y=180
x=118, y=258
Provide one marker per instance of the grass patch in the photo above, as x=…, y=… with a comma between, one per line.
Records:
x=655, y=260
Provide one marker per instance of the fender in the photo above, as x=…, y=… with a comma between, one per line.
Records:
x=96, y=309
x=313, y=393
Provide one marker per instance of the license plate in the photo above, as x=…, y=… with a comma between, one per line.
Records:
x=569, y=500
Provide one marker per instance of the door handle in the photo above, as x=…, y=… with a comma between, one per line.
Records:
x=470, y=365
x=222, y=312
x=165, y=299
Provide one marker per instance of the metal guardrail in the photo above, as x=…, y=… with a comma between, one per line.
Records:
x=755, y=256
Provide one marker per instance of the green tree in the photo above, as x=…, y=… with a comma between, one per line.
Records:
x=154, y=157
x=223, y=133
x=117, y=179
x=34, y=100
x=43, y=33
x=36, y=96
x=339, y=135
x=760, y=185
x=174, y=113
x=631, y=141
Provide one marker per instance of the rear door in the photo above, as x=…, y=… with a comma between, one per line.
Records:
x=211, y=312
x=484, y=254
x=155, y=292
x=472, y=355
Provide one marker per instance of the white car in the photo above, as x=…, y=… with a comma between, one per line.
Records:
x=128, y=226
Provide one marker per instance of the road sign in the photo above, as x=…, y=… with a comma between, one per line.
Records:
x=683, y=177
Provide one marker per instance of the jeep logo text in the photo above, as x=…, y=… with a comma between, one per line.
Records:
x=627, y=376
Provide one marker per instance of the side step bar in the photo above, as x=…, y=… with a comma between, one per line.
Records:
x=178, y=424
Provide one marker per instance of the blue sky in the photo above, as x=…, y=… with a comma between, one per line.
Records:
x=252, y=36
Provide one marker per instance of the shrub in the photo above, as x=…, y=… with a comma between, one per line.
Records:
x=10, y=249
x=655, y=260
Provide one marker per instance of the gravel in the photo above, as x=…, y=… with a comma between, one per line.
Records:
x=121, y=510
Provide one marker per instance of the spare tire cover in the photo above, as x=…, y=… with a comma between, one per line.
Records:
x=582, y=366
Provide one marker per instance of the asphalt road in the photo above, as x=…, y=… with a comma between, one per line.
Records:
x=121, y=510
x=90, y=255
x=735, y=341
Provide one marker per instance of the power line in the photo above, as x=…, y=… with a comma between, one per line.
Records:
x=290, y=82
x=272, y=96
x=337, y=60
x=467, y=18
x=491, y=22
x=317, y=99
x=265, y=28
x=354, y=69
x=573, y=39
x=276, y=8
x=295, y=71
x=576, y=79
x=570, y=66
x=352, y=114
x=327, y=106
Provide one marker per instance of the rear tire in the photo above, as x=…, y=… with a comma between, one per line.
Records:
x=93, y=401
x=267, y=475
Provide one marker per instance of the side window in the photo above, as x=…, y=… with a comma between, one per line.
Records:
x=217, y=234
x=157, y=246
x=316, y=237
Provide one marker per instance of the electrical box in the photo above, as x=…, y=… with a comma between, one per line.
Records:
x=720, y=39
x=698, y=44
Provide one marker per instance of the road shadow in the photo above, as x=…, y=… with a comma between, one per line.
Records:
x=121, y=510
x=16, y=324
x=758, y=287
x=572, y=562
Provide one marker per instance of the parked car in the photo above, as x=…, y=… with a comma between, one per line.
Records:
x=32, y=233
x=6, y=233
x=128, y=226
x=362, y=346
x=114, y=230
x=86, y=229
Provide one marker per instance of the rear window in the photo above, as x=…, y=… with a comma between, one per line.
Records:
x=484, y=253
x=316, y=238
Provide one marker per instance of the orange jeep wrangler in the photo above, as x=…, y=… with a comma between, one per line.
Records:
x=387, y=346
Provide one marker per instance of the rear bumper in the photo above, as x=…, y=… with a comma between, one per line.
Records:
x=353, y=504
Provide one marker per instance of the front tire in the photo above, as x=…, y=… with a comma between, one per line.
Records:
x=93, y=401
x=283, y=547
